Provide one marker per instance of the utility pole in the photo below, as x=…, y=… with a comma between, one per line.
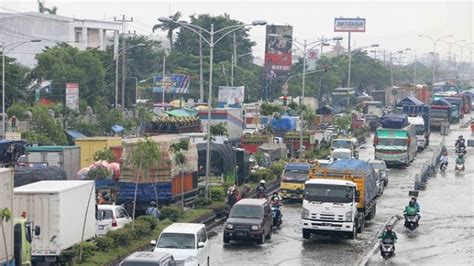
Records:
x=201, y=78
x=235, y=49
x=163, y=80
x=232, y=71
x=123, y=20
x=349, y=70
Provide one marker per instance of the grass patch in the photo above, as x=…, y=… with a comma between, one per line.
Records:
x=194, y=214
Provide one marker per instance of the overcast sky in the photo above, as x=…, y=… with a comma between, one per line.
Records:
x=394, y=25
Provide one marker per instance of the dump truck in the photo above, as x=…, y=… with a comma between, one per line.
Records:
x=292, y=180
x=339, y=199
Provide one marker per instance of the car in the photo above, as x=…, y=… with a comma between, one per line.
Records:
x=149, y=258
x=341, y=153
x=187, y=242
x=249, y=219
x=324, y=163
x=111, y=217
x=381, y=168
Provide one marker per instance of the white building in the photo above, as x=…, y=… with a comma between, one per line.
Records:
x=51, y=29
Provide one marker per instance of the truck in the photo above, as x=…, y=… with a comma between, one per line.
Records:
x=346, y=143
x=338, y=199
x=459, y=103
x=17, y=230
x=65, y=210
x=419, y=124
x=273, y=151
x=395, y=141
x=292, y=180
x=65, y=157
x=440, y=113
x=422, y=125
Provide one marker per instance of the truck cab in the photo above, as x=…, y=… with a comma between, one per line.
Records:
x=22, y=235
x=346, y=143
x=292, y=180
x=330, y=207
x=419, y=124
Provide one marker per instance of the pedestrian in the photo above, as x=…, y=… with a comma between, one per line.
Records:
x=246, y=191
x=153, y=210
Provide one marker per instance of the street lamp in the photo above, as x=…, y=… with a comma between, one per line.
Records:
x=435, y=41
x=391, y=63
x=117, y=56
x=462, y=48
x=211, y=42
x=12, y=46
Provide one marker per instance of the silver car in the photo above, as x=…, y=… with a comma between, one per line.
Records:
x=143, y=258
x=381, y=169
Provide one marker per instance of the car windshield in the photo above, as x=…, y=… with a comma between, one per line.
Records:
x=392, y=142
x=345, y=144
x=328, y=193
x=246, y=211
x=378, y=165
x=295, y=176
x=341, y=155
x=176, y=240
x=105, y=214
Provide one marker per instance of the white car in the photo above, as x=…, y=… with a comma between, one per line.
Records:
x=111, y=217
x=187, y=242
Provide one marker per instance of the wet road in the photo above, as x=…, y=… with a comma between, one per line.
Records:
x=446, y=232
x=287, y=246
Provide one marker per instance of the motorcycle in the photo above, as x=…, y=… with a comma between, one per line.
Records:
x=461, y=150
x=459, y=167
x=277, y=216
x=411, y=222
x=387, y=248
x=443, y=167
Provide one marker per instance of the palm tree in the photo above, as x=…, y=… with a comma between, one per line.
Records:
x=170, y=27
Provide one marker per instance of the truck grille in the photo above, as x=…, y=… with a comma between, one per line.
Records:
x=327, y=217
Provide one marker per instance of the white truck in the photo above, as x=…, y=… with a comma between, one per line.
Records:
x=65, y=212
x=419, y=124
x=337, y=200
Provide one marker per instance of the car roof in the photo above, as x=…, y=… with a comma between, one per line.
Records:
x=147, y=256
x=187, y=228
x=108, y=207
x=255, y=202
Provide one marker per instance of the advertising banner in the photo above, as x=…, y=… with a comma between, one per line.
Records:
x=312, y=57
x=231, y=95
x=174, y=83
x=72, y=96
x=278, y=49
x=349, y=24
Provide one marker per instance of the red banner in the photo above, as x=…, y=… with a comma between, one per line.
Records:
x=278, y=49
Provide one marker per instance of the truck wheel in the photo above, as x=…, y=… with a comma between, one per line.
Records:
x=361, y=227
x=306, y=234
x=353, y=235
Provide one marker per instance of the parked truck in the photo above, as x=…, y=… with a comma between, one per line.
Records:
x=65, y=212
x=339, y=198
x=17, y=230
x=440, y=113
x=423, y=128
x=65, y=157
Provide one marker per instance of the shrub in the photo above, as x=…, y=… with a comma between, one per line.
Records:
x=104, y=243
x=277, y=168
x=121, y=237
x=172, y=213
x=152, y=222
x=265, y=174
x=201, y=202
x=88, y=249
x=218, y=193
x=141, y=229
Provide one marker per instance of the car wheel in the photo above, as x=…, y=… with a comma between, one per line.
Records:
x=208, y=262
x=306, y=234
x=262, y=238
x=385, y=182
x=226, y=240
x=269, y=236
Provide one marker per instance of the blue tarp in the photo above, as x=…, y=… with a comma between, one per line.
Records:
x=117, y=128
x=394, y=121
x=297, y=166
x=409, y=101
x=285, y=123
x=441, y=102
x=74, y=134
x=105, y=183
x=145, y=192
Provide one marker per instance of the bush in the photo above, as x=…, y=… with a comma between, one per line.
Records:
x=17, y=110
x=152, y=222
x=172, y=213
x=104, y=243
x=88, y=249
x=141, y=229
x=218, y=193
x=265, y=174
x=121, y=237
x=201, y=202
x=277, y=168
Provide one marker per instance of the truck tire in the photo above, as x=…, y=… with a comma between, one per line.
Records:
x=361, y=227
x=306, y=234
x=353, y=235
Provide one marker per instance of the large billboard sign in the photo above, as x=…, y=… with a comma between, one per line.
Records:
x=231, y=95
x=174, y=83
x=349, y=24
x=278, y=49
x=72, y=96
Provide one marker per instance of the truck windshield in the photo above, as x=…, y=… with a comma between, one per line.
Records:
x=341, y=144
x=439, y=113
x=295, y=176
x=341, y=155
x=328, y=193
x=176, y=240
x=420, y=129
x=392, y=142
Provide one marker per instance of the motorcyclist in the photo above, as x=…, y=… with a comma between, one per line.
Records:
x=245, y=191
x=460, y=142
x=261, y=189
x=443, y=160
x=460, y=159
x=275, y=199
x=389, y=234
x=411, y=210
x=417, y=206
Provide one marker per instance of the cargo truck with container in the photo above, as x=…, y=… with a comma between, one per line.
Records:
x=459, y=103
x=338, y=199
x=413, y=107
x=440, y=113
x=65, y=157
x=63, y=213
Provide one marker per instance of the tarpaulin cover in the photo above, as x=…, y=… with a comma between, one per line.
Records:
x=222, y=157
x=285, y=123
x=361, y=167
x=145, y=192
x=441, y=102
x=395, y=121
x=25, y=176
x=276, y=151
x=409, y=101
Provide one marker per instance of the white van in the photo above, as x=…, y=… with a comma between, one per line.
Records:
x=187, y=242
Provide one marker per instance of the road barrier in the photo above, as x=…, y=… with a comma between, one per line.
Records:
x=428, y=170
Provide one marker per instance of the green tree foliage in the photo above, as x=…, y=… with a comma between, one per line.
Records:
x=343, y=122
x=45, y=129
x=219, y=129
x=269, y=108
x=16, y=81
x=104, y=155
x=17, y=109
x=5, y=216
x=63, y=63
x=43, y=9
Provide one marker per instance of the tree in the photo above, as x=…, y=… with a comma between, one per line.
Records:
x=269, y=109
x=219, y=129
x=44, y=129
x=42, y=8
x=343, y=122
x=169, y=27
x=16, y=82
x=180, y=160
x=104, y=155
x=144, y=155
x=5, y=216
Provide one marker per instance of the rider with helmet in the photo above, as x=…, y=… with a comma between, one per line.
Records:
x=411, y=210
x=443, y=160
x=460, y=143
x=261, y=189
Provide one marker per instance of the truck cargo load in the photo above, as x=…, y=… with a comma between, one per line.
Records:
x=285, y=123
x=25, y=176
x=275, y=151
x=89, y=146
x=394, y=121
x=65, y=157
x=222, y=158
x=65, y=211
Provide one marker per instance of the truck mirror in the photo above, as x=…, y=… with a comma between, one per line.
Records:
x=37, y=230
x=357, y=195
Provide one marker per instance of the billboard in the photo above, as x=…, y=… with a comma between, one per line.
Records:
x=349, y=24
x=311, y=58
x=231, y=95
x=278, y=49
x=174, y=83
x=72, y=96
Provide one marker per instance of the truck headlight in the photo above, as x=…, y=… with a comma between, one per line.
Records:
x=256, y=227
x=229, y=226
x=284, y=192
x=304, y=213
x=349, y=216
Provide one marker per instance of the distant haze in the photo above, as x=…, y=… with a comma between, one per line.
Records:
x=394, y=25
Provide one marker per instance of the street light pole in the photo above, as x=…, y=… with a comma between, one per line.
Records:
x=434, y=52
